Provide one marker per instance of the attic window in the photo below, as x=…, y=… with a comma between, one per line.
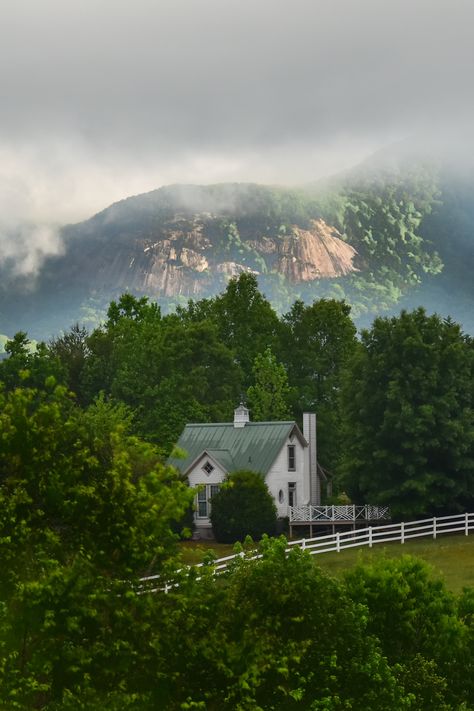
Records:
x=208, y=468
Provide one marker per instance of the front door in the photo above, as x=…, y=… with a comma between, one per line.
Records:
x=204, y=499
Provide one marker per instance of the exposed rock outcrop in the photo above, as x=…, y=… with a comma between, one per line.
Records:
x=182, y=257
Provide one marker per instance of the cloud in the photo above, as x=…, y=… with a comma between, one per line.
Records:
x=221, y=74
x=105, y=99
x=23, y=249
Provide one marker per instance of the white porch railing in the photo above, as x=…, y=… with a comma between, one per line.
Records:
x=308, y=514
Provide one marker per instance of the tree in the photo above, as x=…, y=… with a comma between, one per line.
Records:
x=168, y=371
x=409, y=417
x=130, y=321
x=84, y=510
x=268, y=397
x=273, y=633
x=317, y=342
x=28, y=364
x=246, y=322
x=73, y=481
x=243, y=507
x=72, y=350
x=416, y=621
x=131, y=308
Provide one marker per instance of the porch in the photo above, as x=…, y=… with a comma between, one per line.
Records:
x=321, y=517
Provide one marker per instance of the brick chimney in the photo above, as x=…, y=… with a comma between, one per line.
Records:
x=309, y=433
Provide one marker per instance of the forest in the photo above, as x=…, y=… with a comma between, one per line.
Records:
x=88, y=506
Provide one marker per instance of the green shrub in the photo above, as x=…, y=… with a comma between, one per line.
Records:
x=242, y=507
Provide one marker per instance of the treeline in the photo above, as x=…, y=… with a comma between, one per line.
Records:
x=395, y=406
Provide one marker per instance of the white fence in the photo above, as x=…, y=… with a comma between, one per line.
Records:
x=388, y=533
x=308, y=514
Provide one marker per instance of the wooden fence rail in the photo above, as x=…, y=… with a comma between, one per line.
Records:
x=336, y=542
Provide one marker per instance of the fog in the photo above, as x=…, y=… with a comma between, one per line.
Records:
x=104, y=100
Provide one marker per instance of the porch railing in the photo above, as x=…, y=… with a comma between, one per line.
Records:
x=308, y=514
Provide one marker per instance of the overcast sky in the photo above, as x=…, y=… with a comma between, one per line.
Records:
x=101, y=99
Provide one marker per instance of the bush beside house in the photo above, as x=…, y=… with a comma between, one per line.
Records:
x=243, y=507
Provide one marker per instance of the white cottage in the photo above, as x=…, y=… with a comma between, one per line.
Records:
x=284, y=455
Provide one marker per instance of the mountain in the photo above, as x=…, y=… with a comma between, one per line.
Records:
x=385, y=235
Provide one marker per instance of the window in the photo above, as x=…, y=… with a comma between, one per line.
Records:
x=291, y=457
x=208, y=468
x=204, y=497
x=202, y=503
x=292, y=493
x=281, y=496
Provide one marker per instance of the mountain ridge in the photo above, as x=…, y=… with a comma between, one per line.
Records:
x=373, y=236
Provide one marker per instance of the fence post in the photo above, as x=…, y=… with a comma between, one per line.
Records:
x=434, y=528
x=402, y=532
x=466, y=516
x=370, y=536
x=338, y=542
x=303, y=544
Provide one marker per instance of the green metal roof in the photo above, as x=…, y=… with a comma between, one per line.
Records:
x=254, y=446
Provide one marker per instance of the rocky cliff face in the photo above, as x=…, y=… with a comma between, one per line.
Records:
x=184, y=256
x=305, y=255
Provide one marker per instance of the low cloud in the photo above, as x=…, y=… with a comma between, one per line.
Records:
x=23, y=249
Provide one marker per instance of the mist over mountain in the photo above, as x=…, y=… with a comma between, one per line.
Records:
x=394, y=232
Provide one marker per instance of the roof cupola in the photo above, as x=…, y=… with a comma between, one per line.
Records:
x=241, y=416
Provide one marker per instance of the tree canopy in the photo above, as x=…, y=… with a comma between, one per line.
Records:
x=409, y=416
x=269, y=396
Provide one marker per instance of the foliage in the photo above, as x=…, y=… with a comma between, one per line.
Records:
x=408, y=413
x=72, y=351
x=242, y=507
x=72, y=482
x=168, y=371
x=246, y=322
x=416, y=621
x=268, y=398
x=84, y=509
x=317, y=341
x=276, y=634
x=27, y=364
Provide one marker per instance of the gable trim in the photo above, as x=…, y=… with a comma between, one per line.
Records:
x=212, y=459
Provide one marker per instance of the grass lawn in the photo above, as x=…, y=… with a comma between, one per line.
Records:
x=452, y=557
x=193, y=551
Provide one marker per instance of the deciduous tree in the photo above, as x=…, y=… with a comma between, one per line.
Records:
x=268, y=397
x=409, y=417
